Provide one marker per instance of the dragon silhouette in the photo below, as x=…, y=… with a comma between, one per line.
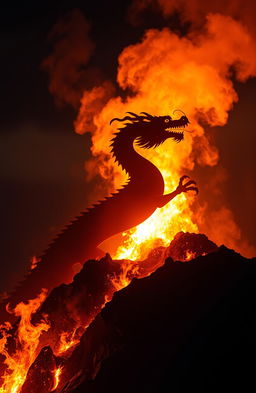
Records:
x=125, y=209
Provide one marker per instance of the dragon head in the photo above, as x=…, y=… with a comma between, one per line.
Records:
x=151, y=131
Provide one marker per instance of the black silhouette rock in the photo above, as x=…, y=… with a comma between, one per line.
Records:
x=69, y=307
x=187, y=246
x=40, y=377
x=188, y=326
x=129, y=206
x=77, y=303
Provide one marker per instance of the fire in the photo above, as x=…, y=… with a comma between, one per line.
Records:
x=138, y=241
x=57, y=375
x=166, y=71
x=26, y=342
x=67, y=341
x=128, y=270
x=190, y=255
x=163, y=72
x=34, y=262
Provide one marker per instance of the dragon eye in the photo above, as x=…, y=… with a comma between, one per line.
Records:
x=167, y=120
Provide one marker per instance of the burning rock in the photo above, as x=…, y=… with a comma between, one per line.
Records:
x=173, y=331
x=41, y=375
x=86, y=337
x=184, y=247
x=187, y=246
x=72, y=307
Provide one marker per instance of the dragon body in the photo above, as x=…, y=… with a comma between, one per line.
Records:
x=128, y=207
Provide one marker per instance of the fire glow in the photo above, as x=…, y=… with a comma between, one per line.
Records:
x=67, y=341
x=137, y=242
x=57, y=378
x=164, y=72
x=26, y=342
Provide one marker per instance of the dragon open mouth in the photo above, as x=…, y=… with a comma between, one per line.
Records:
x=177, y=135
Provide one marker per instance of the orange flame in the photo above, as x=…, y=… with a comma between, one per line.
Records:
x=67, y=341
x=128, y=271
x=57, y=375
x=137, y=242
x=26, y=340
x=34, y=262
x=164, y=72
x=190, y=255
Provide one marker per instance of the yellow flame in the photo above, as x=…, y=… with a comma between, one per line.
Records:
x=128, y=270
x=67, y=341
x=57, y=375
x=26, y=339
x=167, y=71
x=162, y=225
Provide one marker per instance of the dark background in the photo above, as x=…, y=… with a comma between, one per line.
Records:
x=42, y=158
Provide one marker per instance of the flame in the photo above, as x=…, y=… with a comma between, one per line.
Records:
x=190, y=255
x=34, y=262
x=26, y=342
x=137, y=242
x=67, y=341
x=57, y=375
x=164, y=72
x=129, y=269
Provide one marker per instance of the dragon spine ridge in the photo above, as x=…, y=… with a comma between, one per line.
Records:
x=124, y=209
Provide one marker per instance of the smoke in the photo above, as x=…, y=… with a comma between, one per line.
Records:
x=194, y=12
x=194, y=72
x=72, y=50
x=166, y=71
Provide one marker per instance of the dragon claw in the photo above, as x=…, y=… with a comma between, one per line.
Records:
x=189, y=183
x=188, y=186
x=183, y=178
x=192, y=189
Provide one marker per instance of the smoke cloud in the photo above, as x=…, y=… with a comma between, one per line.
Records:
x=194, y=72
x=167, y=71
x=194, y=12
x=72, y=50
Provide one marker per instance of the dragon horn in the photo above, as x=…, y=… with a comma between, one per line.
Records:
x=134, y=114
x=147, y=114
x=123, y=119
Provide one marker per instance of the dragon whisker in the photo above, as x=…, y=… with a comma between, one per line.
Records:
x=178, y=110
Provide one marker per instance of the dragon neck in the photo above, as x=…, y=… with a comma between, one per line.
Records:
x=142, y=172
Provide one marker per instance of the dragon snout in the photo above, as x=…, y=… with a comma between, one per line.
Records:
x=183, y=121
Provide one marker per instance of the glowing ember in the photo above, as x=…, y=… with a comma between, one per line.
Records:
x=139, y=241
x=57, y=375
x=34, y=262
x=67, y=341
x=26, y=340
x=128, y=271
x=190, y=255
x=167, y=71
x=164, y=71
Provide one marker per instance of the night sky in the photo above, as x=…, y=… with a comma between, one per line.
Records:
x=42, y=159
